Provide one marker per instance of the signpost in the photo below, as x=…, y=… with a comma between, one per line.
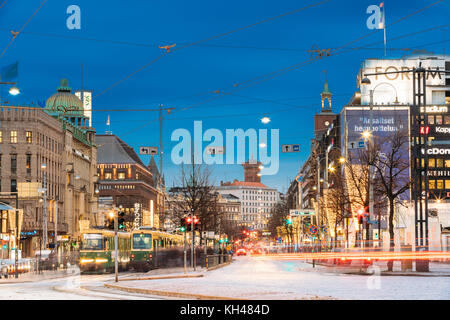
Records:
x=287, y=148
x=360, y=144
x=148, y=150
x=295, y=212
x=313, y=229
x=215, y=150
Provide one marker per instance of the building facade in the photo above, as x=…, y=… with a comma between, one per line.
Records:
x=54, y=142
x=125, y=178
x=257, y=200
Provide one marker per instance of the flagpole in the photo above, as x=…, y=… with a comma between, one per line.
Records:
x=384, y=27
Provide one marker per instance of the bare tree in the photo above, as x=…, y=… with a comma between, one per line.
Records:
x=391, y=165
x=278, y=221
x=195, y=194
x=336, y=201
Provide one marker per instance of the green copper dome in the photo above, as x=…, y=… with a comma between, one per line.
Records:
x=64, y=101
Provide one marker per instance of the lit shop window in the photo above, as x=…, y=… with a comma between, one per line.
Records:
x=432, y=184
x=447, y=164
x=13, y=136
x=108, y=175
x=447, y=184
x=439, y=184
x=29, y=137
x=121, y=175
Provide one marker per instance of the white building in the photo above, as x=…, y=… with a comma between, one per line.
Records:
x=257, y=200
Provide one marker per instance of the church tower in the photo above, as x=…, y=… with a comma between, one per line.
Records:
x=326, y=95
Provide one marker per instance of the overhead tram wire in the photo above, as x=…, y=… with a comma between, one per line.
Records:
x=3, y=3
x=209, y=39
x=296, y=66
x=23, y=27
x=154, y=45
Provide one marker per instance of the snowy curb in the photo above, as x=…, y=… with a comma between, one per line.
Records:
x=164, y=277
x=38, y=278
x=169, y=293
x=218, y=266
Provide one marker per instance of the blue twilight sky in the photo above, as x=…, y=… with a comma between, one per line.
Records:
x=48, y=51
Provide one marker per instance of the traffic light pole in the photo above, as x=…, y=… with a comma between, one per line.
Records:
x=192, y=242
x=116, y=247
x=185, y=262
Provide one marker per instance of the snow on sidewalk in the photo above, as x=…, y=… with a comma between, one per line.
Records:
x=248, y=278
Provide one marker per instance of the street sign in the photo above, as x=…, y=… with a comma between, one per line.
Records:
x=215, y=150
x=296, y=212
x=325, y=229
x=285, y=148
x=313, y=229
x=148, y=150
x=360, y=144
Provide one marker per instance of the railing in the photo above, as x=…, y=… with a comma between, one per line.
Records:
x=217, y=259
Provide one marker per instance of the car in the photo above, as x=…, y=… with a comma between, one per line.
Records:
x=241, y=252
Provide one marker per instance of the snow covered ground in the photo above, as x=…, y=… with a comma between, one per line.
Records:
x=247, y=277
x=265, y=278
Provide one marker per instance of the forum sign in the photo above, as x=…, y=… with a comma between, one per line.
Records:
x=390, y=86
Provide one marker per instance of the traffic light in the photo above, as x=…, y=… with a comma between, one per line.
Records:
x=187, y=222
x=289, y=220
x=196, y=223
x=121, y=220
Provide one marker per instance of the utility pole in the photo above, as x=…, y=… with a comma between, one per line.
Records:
x=56, y=232
x=17, y=236
x=116, y=247
x=371, y=150
x=185, y=258
x=44, y=222
x=192, y=239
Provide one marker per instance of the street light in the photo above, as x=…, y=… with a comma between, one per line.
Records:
x=44, y=218
x=265, y=120
x=14, y=91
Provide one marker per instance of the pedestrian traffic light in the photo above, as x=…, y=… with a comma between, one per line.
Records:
x=121, y=220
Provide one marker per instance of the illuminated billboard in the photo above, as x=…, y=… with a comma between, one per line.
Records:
x=387, y=120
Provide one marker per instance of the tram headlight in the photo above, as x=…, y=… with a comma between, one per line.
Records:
x=86, y=260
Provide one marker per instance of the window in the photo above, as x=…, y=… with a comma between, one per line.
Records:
x=108, y=176
x=439, y=119
x=432, y=184
x=121, y=175
x=13, y=164
x=447, y=184
x=447, y=163
x=13, y=136
x=430, y=119
x=439, y=184
x=13, y=185
x=29, y=137
x=1, y=137
x=439, y=163
x=447, y=119
x=28, y=164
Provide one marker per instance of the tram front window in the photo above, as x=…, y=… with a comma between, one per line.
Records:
x=92, y=242
x=142, y=241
